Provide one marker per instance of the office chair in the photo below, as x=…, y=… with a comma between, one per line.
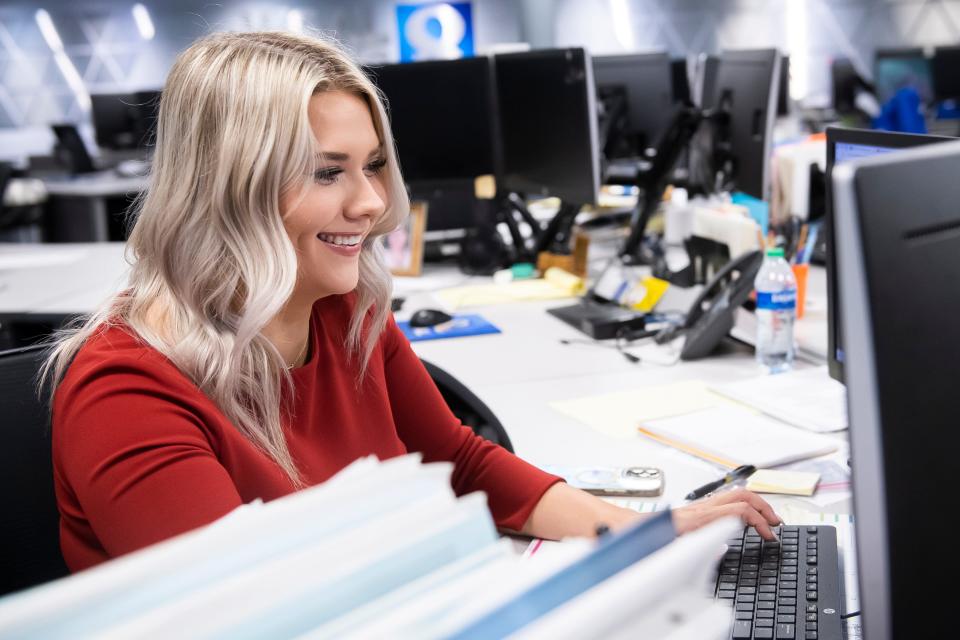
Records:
x=29, y=520
x=468, y=407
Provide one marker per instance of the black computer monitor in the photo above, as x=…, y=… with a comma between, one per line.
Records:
x=547, y=113
x=124, y=121
x=783, y=88
x=894, y=69
x=845, y=84
x=645, y=83
x=73, y=146
x=746, y=88
x=680, y=79
x=945, y=70
x=442, y=117
x=897, y=241
x=844, y=145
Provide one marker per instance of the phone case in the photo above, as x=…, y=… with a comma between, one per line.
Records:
x=614, y=481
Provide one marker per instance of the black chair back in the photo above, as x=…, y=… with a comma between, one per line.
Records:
x=29, y=520
x=468, y=407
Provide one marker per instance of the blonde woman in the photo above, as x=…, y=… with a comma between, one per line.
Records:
x=253, y=352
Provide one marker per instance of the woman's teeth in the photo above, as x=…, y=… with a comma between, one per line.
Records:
x=345, y=241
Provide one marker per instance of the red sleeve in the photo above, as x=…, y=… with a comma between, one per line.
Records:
x=135, y=456
x=426, y=424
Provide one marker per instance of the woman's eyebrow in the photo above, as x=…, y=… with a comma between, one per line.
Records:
x=340, y=156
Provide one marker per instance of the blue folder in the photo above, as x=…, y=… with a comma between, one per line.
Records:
x=465, y=325
x=612, y=554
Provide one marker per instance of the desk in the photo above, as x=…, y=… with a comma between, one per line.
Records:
x=78, y=208
x=518, y=373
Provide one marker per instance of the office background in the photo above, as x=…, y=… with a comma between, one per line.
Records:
x=102, y=41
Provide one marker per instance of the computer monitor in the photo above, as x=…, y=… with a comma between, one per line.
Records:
x=124, y=121
x=846, y=82
x=73, y=146
x=442, y=117
x=894, y=69
x=547, y=113
x=897, y=241
x=645, y=83
x=945, y=70
x=746, y=88
x=680, y=77
x=783, y=88
x=844, y=145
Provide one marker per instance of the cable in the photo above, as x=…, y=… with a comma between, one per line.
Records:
x=849, y=615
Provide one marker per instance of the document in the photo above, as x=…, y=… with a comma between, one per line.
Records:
x=617, y=414
x=806, y=398
x=731, y=436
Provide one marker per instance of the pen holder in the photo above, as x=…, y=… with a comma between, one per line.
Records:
x=800, y=272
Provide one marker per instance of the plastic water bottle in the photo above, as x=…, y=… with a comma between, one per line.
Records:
x=776, y=309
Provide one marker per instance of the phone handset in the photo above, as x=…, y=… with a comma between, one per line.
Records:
x=711, y=315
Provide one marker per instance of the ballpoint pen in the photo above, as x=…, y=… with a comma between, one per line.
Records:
x=740, y=472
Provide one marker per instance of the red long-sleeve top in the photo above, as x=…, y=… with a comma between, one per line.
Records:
x=141, y=454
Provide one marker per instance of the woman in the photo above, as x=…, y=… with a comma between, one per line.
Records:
x=253, y=352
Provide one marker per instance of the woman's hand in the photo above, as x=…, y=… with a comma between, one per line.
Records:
x=746, y=505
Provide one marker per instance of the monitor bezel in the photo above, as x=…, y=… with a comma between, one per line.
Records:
x=865, y=137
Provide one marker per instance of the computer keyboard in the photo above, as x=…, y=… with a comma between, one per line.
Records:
x=783, y=590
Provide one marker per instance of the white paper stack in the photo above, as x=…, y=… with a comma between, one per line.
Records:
x=380, y=550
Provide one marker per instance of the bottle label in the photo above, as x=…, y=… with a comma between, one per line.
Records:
x=777, y=300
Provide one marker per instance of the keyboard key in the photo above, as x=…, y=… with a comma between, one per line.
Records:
x=791, y=610
x=744, y=589
x=787, y=602
x=811, y=608
x=741, y=630
x=763, y=622
x=810, y=635
x=812, y=530
x=786, y=632
x=788, y=584
x=767, y=588
x=812, y=626
x=811, y=571
x=726, y=594
x=744, y=606
x=763, y=634
x=788, y=593
x=743, y=615
x=768, y=579
x=765, y=605
x=811, y=595
x=746, y=597
x=810, y=560
x=764, y=614
x=786, y=619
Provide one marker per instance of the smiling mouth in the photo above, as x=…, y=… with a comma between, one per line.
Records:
x=341, y=240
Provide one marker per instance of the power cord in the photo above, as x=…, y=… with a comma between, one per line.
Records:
x=849, y=615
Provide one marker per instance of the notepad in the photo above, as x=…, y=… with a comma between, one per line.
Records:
x=730, y=436
x=556, y=283
x=795, y=483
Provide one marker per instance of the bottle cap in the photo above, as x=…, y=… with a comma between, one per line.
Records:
x=775, y=252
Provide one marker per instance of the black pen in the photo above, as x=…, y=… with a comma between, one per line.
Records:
x=739, y=472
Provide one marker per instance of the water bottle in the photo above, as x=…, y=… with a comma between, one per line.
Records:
x=776, y=309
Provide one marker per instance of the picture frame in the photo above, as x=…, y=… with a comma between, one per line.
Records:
x=403, y=247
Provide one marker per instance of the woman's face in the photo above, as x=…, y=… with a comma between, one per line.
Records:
x=346, y=196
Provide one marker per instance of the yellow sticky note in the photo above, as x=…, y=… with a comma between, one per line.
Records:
x=796, y=483
x=647, y=293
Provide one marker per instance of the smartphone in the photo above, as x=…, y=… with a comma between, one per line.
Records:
x=628, y=482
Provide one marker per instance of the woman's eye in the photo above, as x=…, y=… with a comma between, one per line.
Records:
x=374, y=167
x=327, y=176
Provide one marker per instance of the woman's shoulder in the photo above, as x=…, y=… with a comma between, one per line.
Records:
x=113, y=350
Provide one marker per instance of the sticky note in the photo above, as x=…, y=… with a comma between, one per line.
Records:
x=797, y=483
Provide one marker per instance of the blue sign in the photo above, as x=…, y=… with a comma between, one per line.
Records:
x=435, y=30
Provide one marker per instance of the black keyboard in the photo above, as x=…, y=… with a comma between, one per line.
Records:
x=787, y=590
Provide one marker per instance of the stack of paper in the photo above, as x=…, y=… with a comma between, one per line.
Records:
x=730, y=437
x=380, y=550
x=806, y=398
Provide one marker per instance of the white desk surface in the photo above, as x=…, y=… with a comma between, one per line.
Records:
x=94, y=185
x=518, y=372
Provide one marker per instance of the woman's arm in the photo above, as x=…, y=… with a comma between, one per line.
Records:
x=565, y=511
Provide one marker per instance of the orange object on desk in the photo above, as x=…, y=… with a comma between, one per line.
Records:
x=800, y=272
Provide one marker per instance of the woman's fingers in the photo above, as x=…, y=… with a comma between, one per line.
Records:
x=747, y=514
x=743, y=495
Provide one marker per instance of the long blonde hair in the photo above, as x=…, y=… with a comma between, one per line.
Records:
x=209, y=250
